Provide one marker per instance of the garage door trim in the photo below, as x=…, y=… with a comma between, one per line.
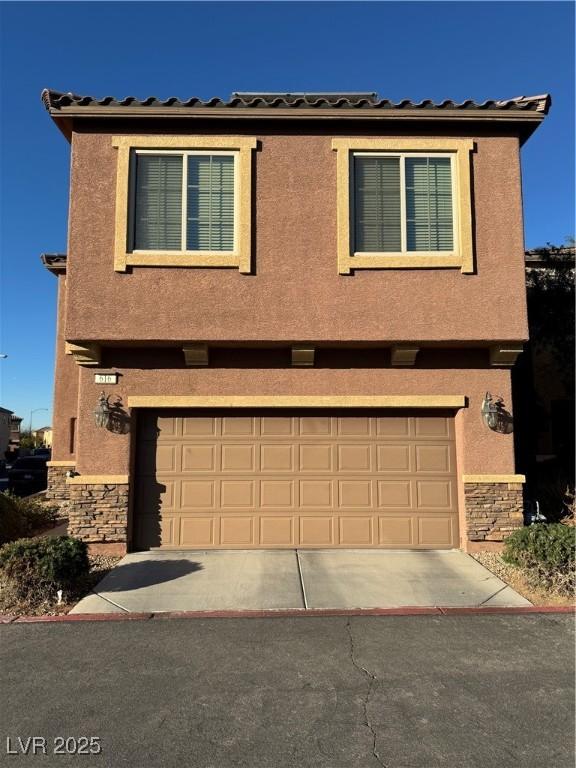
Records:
x=297, y=401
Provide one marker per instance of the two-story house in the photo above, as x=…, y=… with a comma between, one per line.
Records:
x=300, y=310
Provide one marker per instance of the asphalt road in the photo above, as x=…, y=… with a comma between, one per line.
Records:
x=401, y=692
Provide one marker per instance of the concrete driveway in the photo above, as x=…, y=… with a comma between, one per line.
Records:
x=220, y=580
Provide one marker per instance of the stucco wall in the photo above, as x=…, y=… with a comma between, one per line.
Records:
x=479, y=449
x=295, y=292
x=65, y=386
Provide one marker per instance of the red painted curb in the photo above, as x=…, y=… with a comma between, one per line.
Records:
x=519, y=609
x=287, y=613
x=297, y=612
x=83, y=617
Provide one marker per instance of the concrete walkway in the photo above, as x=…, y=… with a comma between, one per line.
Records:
x=220, y=580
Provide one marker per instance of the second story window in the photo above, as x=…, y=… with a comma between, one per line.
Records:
x=184, y=201
x=403, y=203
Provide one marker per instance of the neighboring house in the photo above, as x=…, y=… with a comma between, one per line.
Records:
x=14, y=440
x=544, y=378
x=295, y=305
x=5, y=426
x=43, y=436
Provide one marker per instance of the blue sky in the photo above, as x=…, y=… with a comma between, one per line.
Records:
x=410, y=50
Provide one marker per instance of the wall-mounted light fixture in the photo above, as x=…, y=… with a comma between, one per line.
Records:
x=102, y=411
x=492, y=411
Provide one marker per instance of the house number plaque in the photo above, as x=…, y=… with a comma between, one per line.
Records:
x=106, y=378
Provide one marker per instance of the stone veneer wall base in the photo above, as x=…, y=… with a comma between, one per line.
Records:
x=493, y=511
x=98, y=514
x=57, y=490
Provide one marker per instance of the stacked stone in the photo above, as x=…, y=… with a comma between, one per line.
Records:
x=493, y=510
x=57, y=489
x=98, y=513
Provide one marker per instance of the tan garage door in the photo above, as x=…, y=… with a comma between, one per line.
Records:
x=270, y=479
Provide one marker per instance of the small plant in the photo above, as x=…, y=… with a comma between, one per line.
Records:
x=546, y=552
x=35, y=569
x=23, y=517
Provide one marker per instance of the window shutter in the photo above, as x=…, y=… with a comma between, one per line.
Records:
x=429, y=225
x=377, y=204
x=158, y=210
x=210, y=207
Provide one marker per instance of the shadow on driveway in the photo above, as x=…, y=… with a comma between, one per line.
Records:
x=146, y=573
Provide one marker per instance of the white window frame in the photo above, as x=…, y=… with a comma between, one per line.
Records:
x=404, y=252
x=184, y=154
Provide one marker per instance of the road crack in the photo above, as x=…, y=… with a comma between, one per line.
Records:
x=372, y=680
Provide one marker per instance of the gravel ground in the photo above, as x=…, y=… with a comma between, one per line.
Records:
x=517, y=581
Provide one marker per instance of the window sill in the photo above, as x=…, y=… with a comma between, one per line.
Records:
x=421, y=260
x=211, y=259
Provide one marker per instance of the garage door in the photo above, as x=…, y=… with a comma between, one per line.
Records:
x=306, y=479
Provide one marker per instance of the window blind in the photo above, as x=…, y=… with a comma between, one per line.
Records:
x=210, y=205
x=158, y=206
x=429, y=225
x=377, y=204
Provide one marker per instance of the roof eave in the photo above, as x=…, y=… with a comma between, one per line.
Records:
x=526, y=122
x=54, y=262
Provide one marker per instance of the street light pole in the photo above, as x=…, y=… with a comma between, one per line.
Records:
x=31, y=414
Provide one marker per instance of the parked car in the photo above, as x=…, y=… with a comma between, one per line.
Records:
x=46, y=452
x=28, y=475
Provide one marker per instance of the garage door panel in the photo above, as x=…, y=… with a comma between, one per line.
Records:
x=236, y=458
x=316, y=458
x=198, y=531
x=198, y=425
x=199, y=457
x=237, y=531
x=433, y=426
x=277, y=426
x=277, y=458
x=163, y=494
x=356, y=531
x=355, y=458
x=295, y=479
x=277, y=532
x=277, y=493
x=357, y=426
x=316, y=531
x=435, y=494
x=435, y=531
x=238, y=494
x=393, y=458
x=394, y=493
x=433, y=458
x=238, y=425
x=316, y=493
x=396, y=531
x=315, y=425
x=393, y=426
x=355, y=494
x=197, y=494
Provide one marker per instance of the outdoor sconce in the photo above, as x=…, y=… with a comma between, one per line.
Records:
x=491, y=411
x=102, y=412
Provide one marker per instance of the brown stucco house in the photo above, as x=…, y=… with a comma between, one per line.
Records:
x=295, y=305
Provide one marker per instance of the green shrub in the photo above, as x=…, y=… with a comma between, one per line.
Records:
x=35, y=569
x=23, y=517
x=38, y=514
x=13, y=524
x=546, y=552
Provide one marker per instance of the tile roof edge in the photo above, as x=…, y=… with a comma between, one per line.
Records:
x=54, y=101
